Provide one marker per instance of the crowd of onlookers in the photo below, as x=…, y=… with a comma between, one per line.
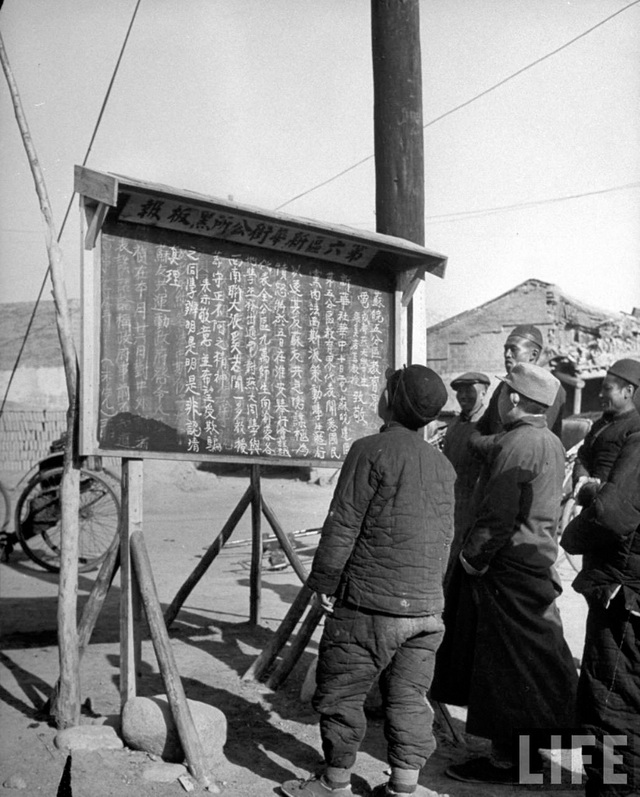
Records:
x=436, y=570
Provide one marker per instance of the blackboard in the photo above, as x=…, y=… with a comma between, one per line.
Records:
x=212, y=348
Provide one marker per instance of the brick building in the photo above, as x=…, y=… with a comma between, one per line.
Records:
x=580, y=341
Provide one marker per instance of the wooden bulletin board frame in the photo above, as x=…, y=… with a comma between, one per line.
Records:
x=163, y=216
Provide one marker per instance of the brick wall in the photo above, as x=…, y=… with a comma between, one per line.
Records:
x=26, y=434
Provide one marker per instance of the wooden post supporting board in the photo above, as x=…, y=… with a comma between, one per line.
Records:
x=253, y=496
x=130, y=605
x=255, y=597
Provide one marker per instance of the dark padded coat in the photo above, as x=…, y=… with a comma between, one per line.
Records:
x=603, y=443
x=385, y=542
x=504, y=654
x=608, y=533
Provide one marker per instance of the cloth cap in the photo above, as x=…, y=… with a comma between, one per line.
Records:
x=470, y=378
x=529, y=332
x=416, y=394
x=626, y=369
x=533, y=382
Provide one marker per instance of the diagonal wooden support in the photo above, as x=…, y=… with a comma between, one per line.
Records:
x=187, y=732
x=444, y=715
x=284, y=541
x=298, y=646
x=265, y=660
x=211, y=553
x=93, y=606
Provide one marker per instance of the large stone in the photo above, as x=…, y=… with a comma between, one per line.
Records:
x=147, y=724
x=88, y=737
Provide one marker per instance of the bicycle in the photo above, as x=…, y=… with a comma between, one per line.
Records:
x=38, y=513
x=5, y=509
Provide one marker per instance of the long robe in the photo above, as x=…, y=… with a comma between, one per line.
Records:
x=504, y=654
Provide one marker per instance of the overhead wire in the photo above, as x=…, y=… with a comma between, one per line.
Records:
x=469, y=101
x=470, y=214
x=66, y=215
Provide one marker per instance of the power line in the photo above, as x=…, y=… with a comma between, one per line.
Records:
x=470, y=214
x=66, y=215
x=469, y=101
x=531, y=65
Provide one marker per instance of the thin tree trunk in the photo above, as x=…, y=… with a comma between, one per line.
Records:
x=67, y=708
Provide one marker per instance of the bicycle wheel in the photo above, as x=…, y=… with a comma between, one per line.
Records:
x=5, y=508
x=38, y=526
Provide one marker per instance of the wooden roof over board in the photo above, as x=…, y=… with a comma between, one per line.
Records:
x=157, y=205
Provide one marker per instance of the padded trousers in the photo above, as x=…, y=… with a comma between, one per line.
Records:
x=356, y=648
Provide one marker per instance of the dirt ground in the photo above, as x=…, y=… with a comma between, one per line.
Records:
x=272, y=736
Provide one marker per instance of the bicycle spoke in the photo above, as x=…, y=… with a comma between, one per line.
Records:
x=38, y=519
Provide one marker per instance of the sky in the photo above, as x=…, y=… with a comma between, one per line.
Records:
x=264, y=101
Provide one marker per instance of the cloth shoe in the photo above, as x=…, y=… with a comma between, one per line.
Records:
x=314, y=787
x=482, y=770
x=384, y=790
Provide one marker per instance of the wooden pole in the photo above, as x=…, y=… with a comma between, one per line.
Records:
x=92, y=607
x=298, y=646
x=187, y=732
x=397, y=120
x=67, y=707
x=399, y=153
x=97, y=596
x=255, y=597
x=130, y=602
x=282, y=538
x=280, y=637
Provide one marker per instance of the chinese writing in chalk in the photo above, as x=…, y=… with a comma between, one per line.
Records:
x=213, y=353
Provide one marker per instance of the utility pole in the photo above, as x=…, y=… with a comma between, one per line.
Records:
x=399, y=144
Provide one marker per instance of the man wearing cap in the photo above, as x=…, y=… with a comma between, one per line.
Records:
x=378, y=572
x=606, y=437
x=504, y=654
x=523, y=345
x=607, y=535
x=471, y=389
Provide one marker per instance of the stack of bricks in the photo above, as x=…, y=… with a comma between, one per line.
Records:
x=26, y=434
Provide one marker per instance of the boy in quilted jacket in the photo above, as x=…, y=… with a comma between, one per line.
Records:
x=378, y=571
